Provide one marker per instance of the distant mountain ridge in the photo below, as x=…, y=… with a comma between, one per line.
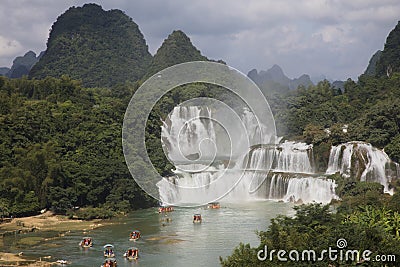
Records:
x=104, y=48
x=275, y=80
x=21, y=65
x=4, y=71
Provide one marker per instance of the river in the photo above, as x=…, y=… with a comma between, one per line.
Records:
x=177, y=243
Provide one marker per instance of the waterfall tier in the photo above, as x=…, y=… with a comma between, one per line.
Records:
x=294, y=157
x=289, y=156
x=363, y=162
x=295, y=188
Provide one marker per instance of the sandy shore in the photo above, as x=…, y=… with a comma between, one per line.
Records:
x=43, y=222
x=49, y=222
x=10, y=257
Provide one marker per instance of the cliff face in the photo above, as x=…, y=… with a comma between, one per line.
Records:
x=389, y=60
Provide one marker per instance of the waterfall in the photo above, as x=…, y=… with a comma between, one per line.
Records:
x=340, y=160
x=265, y=170
x=300, y=188
x=310, y=189
x=294, y=157
x=186, y=131
x=363, y=162
x=255, y=131
x=278, y=186
x=258, y=159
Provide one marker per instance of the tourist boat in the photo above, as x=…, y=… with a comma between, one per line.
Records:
x=214, y=205
x=109, y=251
x=86, y=242
x=132, y=253
x=135, y=235
x=197, y=218
x=165, y=209
x=110, y=262
x=62, y=262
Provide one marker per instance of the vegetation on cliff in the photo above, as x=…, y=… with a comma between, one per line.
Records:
x=100, y=48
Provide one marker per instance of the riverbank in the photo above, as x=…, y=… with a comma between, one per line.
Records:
x=9, y=259
x=49, y=222
x=58, y=225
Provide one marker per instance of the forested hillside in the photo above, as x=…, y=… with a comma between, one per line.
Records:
x=389, y=60
x=101, y=48
x=177, y=48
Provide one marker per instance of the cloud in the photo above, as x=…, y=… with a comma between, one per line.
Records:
x=9, y=47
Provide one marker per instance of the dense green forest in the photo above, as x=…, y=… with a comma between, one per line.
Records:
x=61, y=147
x=61, y=144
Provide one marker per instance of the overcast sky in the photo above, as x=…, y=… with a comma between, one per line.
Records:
x=330, y=37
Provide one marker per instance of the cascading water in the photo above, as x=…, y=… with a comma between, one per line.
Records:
x=184, y=129
x=294, y=157
x=310, y=189
x=279, y=169
x=340, y=160
x=301, y=188
x=255, y=131
x=363, y=162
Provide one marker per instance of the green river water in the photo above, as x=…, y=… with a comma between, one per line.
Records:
x=177, y=243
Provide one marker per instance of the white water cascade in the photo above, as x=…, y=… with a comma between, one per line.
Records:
x=184, y=130
x=294, y=157
x=265, y=171
x=311, y=189
x=301, y=189
x=364, y=162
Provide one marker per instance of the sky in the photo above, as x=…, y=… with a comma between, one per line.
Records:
x=334, y=38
